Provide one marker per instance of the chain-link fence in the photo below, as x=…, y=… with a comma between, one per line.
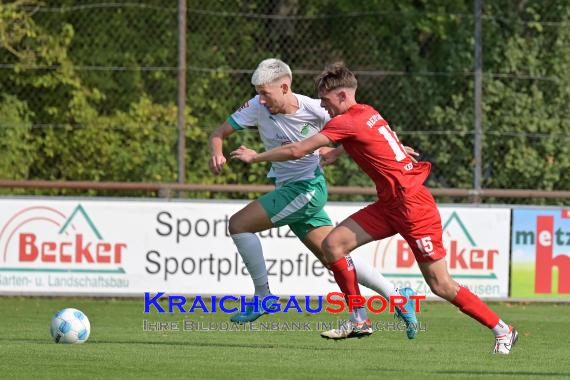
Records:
x=111, y=68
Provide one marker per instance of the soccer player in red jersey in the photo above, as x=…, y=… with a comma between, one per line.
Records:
x=404, y=205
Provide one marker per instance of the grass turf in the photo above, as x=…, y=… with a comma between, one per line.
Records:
x=453, y=345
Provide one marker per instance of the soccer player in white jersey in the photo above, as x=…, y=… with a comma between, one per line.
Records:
x=283, y=117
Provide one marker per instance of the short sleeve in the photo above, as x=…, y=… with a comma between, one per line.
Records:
x=247, y=116
x=322, y=114
x=338, y=129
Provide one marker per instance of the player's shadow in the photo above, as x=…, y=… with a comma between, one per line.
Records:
x=502, y=373
x=334, y=347
x=186, y=344
x=27, y=340
x=227, y=345
x=483, y=373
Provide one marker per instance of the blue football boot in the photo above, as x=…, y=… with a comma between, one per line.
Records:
x=410, y=316
x=251, y=315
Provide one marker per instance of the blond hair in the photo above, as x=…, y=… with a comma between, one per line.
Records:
x=269, y=71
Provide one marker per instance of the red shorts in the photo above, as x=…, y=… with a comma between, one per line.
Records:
x=416, y=219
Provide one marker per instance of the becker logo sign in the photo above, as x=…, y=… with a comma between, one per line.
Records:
x=465, y=257
x=43, y=237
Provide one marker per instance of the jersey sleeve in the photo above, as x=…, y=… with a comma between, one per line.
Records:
x=321, y=114
x=338, y=129
x=247, y=116
x=324, y=116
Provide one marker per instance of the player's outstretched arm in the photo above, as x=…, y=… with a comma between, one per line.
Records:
x=215, y=142
x=330, y=155
x=283, y=153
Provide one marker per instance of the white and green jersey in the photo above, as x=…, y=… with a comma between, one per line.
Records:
x=279, y=129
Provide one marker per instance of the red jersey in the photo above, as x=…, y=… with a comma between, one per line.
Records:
x=368, y=139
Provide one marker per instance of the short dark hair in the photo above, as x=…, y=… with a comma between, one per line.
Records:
x=335, y=75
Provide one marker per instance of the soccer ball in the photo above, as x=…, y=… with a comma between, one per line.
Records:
x=70, y=326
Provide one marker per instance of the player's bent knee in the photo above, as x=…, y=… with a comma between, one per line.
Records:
x=236, y=226
x=333, y=250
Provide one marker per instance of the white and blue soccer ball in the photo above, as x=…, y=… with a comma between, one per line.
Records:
x=70, y=326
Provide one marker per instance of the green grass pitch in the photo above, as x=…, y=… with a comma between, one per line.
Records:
x=453, y=345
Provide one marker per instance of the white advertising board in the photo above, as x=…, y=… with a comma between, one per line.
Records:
x=118, y=247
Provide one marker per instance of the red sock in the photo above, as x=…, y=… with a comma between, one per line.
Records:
x=345, y=276
x=472, y=305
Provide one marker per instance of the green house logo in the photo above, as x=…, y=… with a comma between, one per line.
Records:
x=80, y=210
x=462, y=254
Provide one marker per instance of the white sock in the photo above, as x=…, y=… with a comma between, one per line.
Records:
x=373, y=279
x=502, y=328
x=262, y=290
x=359, y=314
x=249, y=247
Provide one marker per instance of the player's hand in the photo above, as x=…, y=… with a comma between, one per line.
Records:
x=216, y=164
x=243, y=154
x=328, y=155
x=412, y=154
